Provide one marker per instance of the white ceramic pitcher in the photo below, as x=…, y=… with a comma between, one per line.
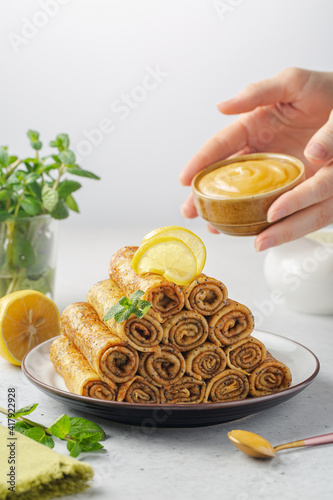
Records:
x=302, y=270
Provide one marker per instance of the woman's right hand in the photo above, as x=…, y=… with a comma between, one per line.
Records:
x=288, y=113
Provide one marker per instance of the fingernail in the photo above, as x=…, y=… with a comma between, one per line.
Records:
x=264, y=244
x=278, y=214
x=316, y=151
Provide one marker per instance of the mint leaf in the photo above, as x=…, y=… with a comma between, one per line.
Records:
x=144, y=304
x=38, y=434
x=47, y=441
x=137, y=295
x=67, y=157
x=22, y=427
x=80, y=424
x=60, y=426
x=50, y=198
x=124, y=301
x=31, y=206
x=67, y=187
x=123, y=315
x=84, y=436
x=74, y=448
x=35, y=189
x=4, y=157
x=91, y=446
x=37, y=145
x=83, y=173
x=60, y=211
x=25, y=411
x=35, y=433
x=31, y=178
x=71, y=203
x=84, y=442
x=112, y=311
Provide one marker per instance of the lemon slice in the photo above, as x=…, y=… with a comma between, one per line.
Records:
x=190, y=239
x=168, y=256
x=27, y=318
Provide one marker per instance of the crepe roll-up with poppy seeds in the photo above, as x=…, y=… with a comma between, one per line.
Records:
x=185, y=390
x=162, y=367
x=205, y=295
x=144, y=334
x=185, y=330
x=108, y=355
x=269, y=377
x=231, y=324
x=229, y=385
x=138, y=390
x=246, y=355
x=205, y=361
x=166, y=297
x=78, y=375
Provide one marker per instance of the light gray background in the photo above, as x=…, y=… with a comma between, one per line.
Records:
x=67, y=65
x=76, y=58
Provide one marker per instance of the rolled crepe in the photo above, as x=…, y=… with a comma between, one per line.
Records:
x=162, y=367
x=234, y=322
x=269, y=377
x=186, y=390
x=107, y=354
x=205, y=295
x=185, y=330
x=138, y=390
x=78, y=376
x=230, y=385
x=246, y=355
x=141, y=333
x=166, y=297
x=205, y=361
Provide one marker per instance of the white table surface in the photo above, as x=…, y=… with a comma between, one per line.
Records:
x=198, y=463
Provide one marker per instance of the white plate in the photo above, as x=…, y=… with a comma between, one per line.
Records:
x=304, y=366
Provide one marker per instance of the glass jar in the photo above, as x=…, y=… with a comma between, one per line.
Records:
x=28, y=247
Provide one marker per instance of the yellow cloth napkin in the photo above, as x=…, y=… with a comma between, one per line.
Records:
x=34, y=471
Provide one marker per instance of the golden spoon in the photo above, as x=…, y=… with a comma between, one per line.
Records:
x=258, y=447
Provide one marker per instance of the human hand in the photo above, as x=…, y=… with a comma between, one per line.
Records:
x=288, y=113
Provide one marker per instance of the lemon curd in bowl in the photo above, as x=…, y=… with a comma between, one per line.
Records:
x=234, y=195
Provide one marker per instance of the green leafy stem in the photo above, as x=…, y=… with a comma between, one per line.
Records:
x=29, y=187
x=36, y=185
x=122, y=310
x=81, y=434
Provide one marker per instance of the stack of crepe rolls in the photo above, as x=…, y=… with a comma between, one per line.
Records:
x=194, y=345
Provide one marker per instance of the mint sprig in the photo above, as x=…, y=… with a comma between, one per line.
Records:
x=38, y=185
x=32, y=186
x=127, y=306
x=82, y=435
